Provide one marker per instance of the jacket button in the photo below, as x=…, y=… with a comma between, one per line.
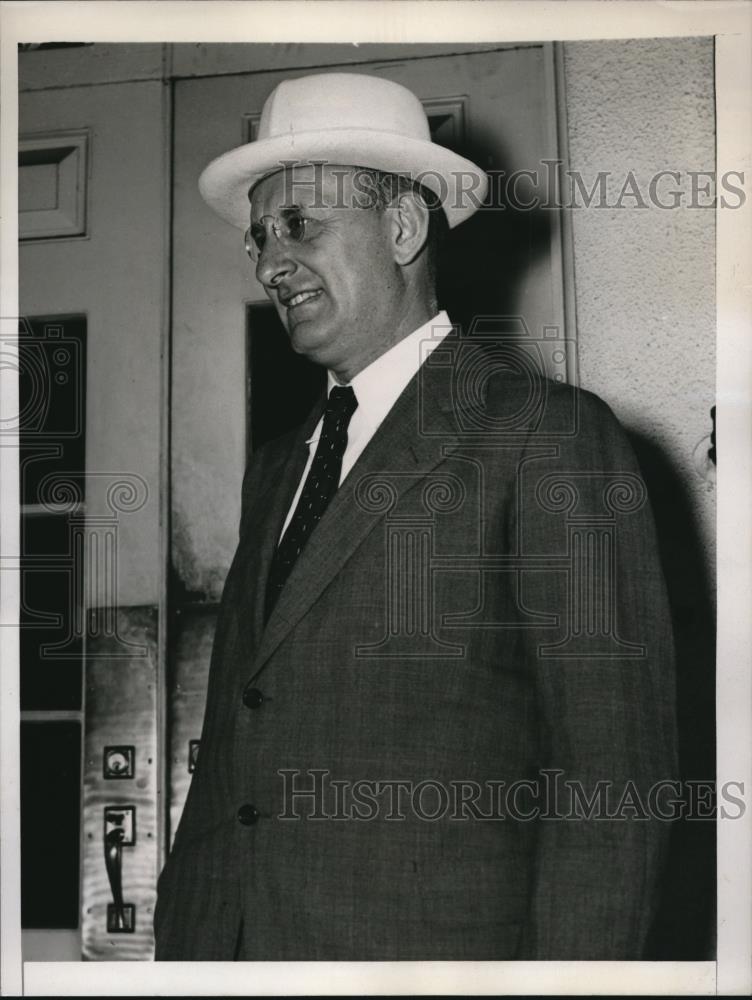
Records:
x=252, y=697
x=248, y=814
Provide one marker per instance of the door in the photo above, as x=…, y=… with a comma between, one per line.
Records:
x=93, y=227
x=234, y=383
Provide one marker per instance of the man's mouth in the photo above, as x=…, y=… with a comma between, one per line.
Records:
x=301, y=297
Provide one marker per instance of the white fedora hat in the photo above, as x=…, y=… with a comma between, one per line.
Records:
x=349, y=119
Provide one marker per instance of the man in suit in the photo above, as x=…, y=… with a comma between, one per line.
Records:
x=440, y=702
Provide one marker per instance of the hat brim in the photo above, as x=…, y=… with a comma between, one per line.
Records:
x=459, y=183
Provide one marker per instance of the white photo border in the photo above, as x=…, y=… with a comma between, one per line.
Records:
x=421, y=21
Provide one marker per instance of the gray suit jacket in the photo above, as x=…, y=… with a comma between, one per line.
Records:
x=480, y=615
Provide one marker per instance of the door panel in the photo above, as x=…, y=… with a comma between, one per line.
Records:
x=498, y=108
x=508, y=119
x=93, y=226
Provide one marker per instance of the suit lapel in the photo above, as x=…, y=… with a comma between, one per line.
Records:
x=398, y=446
x=266, y=517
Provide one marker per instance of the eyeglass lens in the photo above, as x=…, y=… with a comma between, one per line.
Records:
x=289, y=228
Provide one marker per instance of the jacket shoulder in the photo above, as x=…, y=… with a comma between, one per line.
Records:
x=532, y=404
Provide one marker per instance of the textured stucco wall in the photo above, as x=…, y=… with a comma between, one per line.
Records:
x=645, y=300
x=645, y=276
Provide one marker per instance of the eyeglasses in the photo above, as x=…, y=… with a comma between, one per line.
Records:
x=290, y=228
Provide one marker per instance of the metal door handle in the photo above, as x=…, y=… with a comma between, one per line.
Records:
x=119, y=832
x=113, y=859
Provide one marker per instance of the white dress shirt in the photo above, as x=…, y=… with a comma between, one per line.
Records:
x=377, y=389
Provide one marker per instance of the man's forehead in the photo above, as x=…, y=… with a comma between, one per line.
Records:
x=304, y=184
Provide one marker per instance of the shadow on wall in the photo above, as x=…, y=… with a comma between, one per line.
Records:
x=487, y=257
x=685, y=925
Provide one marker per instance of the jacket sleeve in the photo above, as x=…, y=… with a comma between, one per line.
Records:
x=603, y=674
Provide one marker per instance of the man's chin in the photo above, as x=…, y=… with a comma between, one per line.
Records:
x=307, y=338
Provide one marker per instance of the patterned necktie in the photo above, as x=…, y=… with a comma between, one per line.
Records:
x=319, y=488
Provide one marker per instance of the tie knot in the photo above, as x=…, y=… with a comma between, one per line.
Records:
x=341, y=403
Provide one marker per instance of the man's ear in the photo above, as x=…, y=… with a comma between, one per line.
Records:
x=409, y=226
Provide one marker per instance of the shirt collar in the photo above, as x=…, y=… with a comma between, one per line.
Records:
x=379, y=385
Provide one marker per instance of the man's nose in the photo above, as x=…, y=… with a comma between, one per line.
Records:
x=275, y=262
